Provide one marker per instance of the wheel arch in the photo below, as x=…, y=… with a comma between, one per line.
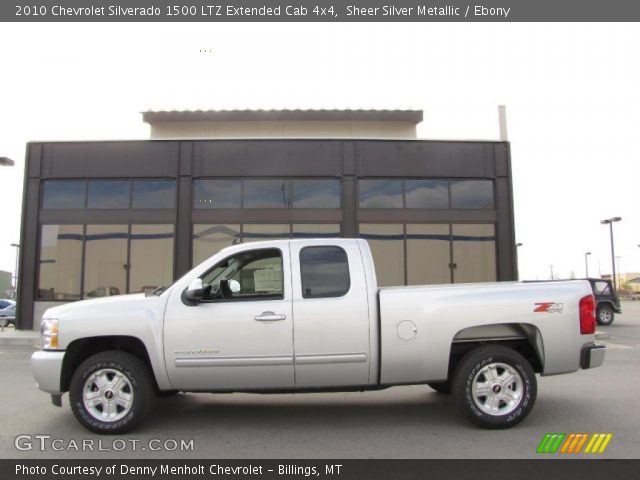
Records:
x=605, y=303
x=524, y=338
x=81, y=349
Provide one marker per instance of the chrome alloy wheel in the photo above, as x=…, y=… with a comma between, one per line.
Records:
x=497, y=389
x=107, y=395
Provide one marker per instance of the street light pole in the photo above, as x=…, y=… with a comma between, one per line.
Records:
x=618, y=257
x=586, y=263
x=610, y=221
x=551, y=267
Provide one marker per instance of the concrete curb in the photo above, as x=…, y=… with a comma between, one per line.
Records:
x=20, y=338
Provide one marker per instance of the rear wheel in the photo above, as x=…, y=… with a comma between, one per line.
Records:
x=494, y=386
x=111, y=392
x=605, y=315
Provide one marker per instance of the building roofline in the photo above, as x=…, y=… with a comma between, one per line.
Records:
x=270, y=139
x=408, y=116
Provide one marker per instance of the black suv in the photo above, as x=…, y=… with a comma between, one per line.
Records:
x=607, y=302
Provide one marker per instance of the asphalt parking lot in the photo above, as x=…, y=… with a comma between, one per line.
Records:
x=401, y=422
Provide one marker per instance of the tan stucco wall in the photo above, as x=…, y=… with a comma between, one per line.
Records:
x=205, y=130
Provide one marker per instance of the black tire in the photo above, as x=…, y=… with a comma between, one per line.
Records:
x=605, y=315
x=441, y=387
x=503, y=363
x=140, y=384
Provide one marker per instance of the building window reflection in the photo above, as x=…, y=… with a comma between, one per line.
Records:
x=426, y=194
x=316, y=194
x=324, y=230
x=380, y=193
x=109, y=194
x=151, y=257
x=427, y=254
x=91, y=261
x=262, y=232
x=474, y=253
x=387, y=247
x=209, y=239
x=217, y=194
x=472, y=194
x=266, y=193
x=60, y=269
x=64, y=194
x=153, y=194
x=105, y=262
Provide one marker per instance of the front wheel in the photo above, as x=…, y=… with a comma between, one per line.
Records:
x=605, y=315
x=494, y=386
x=111, y=392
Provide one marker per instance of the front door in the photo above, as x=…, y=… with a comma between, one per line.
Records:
x=234, y=339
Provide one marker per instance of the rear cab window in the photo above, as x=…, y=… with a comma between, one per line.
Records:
x=324, y=271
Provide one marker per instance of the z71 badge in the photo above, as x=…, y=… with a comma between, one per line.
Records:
x=549, y=307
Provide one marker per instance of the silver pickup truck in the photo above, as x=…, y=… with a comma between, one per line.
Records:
x=307, y=315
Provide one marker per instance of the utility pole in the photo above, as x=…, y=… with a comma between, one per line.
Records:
x=610, y=221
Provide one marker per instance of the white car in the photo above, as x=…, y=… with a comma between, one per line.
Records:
x=8, y=315
x=5, y=302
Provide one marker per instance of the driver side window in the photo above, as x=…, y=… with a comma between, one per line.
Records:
x=251, y=275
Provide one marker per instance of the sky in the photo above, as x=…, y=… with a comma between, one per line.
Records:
x=572, y=93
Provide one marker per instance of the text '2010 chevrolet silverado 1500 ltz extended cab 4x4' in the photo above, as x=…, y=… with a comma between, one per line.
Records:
x=307, y=315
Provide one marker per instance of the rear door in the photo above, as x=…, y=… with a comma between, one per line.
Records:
x=331, y=314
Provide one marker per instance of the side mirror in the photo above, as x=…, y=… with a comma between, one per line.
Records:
x=234, y=286
x=195, y=291
x=229, y=287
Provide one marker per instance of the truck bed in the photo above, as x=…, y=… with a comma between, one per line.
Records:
x=419, y=324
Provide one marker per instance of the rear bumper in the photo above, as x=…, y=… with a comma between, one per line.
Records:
x=47, y=369
x=592, y=355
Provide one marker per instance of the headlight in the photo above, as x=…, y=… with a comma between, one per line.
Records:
x=49, y=332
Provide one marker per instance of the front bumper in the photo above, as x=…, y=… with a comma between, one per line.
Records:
x=592, y=355
x=46, y=366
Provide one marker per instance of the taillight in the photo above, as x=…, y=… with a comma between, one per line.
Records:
x=587, y=315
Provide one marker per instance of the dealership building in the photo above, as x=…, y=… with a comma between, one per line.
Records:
x=104, y=218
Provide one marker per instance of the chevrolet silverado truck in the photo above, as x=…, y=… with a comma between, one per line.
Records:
x=308, y=316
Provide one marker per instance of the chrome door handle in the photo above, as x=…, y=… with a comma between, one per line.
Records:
x=269, y=317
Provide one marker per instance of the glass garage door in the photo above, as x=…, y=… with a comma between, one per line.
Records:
x=428, y=254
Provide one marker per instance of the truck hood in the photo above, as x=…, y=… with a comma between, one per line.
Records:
x=134, y=315
x=94, y=305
